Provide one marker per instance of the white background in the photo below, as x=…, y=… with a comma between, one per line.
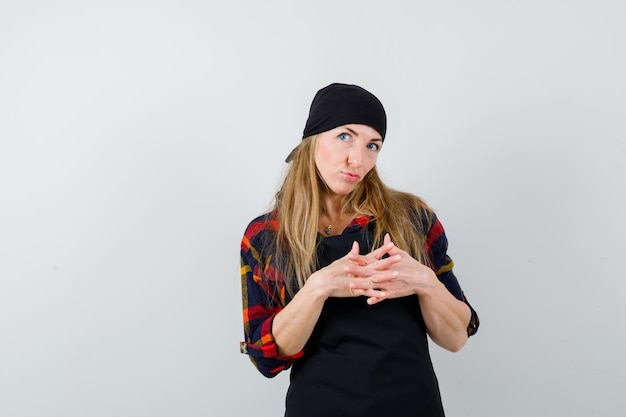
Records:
x=138, y=139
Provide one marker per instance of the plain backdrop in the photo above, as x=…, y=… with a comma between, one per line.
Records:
x=139, y=138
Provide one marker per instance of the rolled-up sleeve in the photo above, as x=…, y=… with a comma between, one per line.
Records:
x=262, y=298
x=442, y=264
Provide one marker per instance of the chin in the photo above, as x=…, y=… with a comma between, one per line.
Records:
x=342, y=190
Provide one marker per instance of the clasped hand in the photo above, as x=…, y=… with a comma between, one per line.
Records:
x=378, y=278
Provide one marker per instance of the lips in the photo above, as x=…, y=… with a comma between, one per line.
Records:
x=350, y=176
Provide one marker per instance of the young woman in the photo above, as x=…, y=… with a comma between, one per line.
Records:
x=344, y=278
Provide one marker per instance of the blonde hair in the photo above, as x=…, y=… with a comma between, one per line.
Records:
x=298, y=205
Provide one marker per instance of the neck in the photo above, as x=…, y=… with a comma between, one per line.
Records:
x=333, y=220
x=332, y=206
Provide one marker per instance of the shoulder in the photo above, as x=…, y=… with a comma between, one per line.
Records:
x=420, y=214
x=426, y=222
x=260, y=232
x=264, y=222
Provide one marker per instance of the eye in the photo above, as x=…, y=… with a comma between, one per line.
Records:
x=373, y=146
x=343, y=136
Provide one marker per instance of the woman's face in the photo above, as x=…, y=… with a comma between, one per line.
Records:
x=344, y=156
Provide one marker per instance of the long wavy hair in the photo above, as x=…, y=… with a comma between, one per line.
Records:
x=298, y=205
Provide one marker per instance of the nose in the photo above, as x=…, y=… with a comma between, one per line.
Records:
x=355, y=156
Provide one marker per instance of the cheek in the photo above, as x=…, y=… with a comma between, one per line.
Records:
x=323, y=156
x=372, y=163
x=325, y=153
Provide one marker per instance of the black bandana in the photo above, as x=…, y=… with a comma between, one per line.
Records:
x=341, y=104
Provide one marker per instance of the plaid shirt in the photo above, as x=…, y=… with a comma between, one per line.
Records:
x=264, y=294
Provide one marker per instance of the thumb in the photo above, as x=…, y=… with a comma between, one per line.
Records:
x=355, y=248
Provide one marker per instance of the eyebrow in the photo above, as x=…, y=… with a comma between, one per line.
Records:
x=356, y=134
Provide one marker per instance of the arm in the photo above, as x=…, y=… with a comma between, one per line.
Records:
x=277, y=333
x=437, y=247
x=262, y=301
x=445, y=316
x=449, y=318
x=295, y=323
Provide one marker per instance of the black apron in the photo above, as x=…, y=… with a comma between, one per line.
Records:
x=362, y=360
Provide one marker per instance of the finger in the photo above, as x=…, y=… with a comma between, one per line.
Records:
x=378, y=281
x=385, y=263
x=374, y=300
x=355, y=248
x=358, y=292
x=354, y=255
x=358, y=271
x=373, y=268
x=381, y=251
x=394, y=250
x=376, y=294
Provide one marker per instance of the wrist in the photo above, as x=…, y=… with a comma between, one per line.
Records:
x=315, y=286
x=430, y=287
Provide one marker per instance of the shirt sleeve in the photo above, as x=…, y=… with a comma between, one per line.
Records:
x=442, y=264
x=262, y=298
